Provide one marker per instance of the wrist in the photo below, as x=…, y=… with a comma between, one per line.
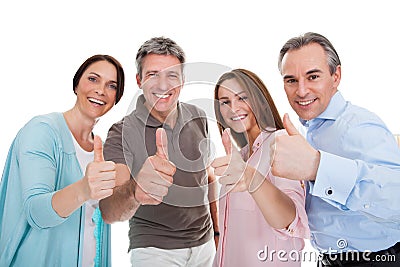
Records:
x=315, y=164
x=83, y=192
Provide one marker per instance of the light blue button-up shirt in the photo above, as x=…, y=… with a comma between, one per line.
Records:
x=354, y=203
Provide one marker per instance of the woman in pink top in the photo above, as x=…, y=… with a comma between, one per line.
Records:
x=262, y=217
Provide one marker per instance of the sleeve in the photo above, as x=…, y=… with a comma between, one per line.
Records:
x=113, y=147
x=296, y=192
x=38, y=169
x=367, y=177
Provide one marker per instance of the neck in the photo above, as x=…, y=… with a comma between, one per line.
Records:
x=169, y=117
x=81, y=126
x=252, y=135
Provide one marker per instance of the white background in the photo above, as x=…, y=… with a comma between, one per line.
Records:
x=42, y=43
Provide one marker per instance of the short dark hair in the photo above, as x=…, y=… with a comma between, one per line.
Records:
x=110, y=59
x=158, y=46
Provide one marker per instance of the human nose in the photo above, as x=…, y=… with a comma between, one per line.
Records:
x=302, y=88
x=100, y=89
x=162, y=83
x=235, y=105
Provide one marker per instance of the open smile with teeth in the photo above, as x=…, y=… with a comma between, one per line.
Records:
x=96, y=101
x=162, y=96
x=305, y=103
x=238, y=118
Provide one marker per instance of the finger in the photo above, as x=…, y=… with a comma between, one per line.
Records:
x=162, y=165
x=291, y=130
x=221, y=161
x=105, y=166
x=221, y=171
x=106, y=176
x=166, y=180
x=226, y=141
x=107, y=184
x=104, y=193
x=98, y=149
x=162, y=143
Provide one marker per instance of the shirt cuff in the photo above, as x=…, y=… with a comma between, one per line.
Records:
x=336, y=178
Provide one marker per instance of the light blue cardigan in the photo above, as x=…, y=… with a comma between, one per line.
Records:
x=41, y=161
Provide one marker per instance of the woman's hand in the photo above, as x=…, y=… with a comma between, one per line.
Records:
x=99, y=179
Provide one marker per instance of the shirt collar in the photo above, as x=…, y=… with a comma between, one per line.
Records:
x=264, y=135
x=335, y=107
x=143, y=114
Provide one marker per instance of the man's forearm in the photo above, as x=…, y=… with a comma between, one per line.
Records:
x=121, y=205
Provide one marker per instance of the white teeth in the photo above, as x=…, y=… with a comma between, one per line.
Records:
x=161, y=96
x=94, y=100
x=239, y=118
x=305, y=103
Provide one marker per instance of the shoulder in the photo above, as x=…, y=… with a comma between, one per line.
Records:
x=193, y=109
x=46, y=131
x=355, y=115
x=48, y=124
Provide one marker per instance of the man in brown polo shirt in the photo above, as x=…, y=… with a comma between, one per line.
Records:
x=165, y=197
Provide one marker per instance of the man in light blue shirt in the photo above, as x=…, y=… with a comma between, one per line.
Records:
x=350, y=159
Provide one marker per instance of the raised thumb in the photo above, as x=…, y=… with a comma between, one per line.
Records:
x=290, y=129
x=162, y=143
x=98, y=149
x=226, y=141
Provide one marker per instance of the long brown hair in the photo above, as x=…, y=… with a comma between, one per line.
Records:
x=260, y=100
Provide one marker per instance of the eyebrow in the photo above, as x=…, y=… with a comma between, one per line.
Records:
x=313, y=71
x=237, y=94
x=307, y=73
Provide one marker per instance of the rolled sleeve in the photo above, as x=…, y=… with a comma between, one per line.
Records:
x=299, y=226
x=41, y=214
x=38, y=174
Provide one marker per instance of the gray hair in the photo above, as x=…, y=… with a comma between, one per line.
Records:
x=159, y=46
x=309, y=38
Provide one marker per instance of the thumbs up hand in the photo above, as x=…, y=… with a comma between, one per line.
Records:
x=235, y=174
x=99, y=177
x=292, y=156
x=156, y=174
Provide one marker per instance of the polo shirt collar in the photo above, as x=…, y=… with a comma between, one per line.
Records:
x=143, y=114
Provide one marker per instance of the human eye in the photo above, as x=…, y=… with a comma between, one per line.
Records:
x=113, y=86
x=291, y=80
x=243, y=98
x=173, y=75
x=224, y=102
x=92, y=78
x=313, y=77
x=152, y=74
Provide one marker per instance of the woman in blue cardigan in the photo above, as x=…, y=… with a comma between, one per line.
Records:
x=55, y=175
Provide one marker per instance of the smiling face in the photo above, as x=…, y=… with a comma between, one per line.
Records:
x=161, y=82
x=96, y=90
x=308, y=84
x=235, y=109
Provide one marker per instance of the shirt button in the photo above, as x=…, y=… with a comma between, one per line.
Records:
x=329, y=191
x=367, y=206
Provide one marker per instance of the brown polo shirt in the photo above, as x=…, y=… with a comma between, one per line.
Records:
x=183, y=219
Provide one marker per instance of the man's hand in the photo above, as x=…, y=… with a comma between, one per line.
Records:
x=292, y=156
x=155, y=177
